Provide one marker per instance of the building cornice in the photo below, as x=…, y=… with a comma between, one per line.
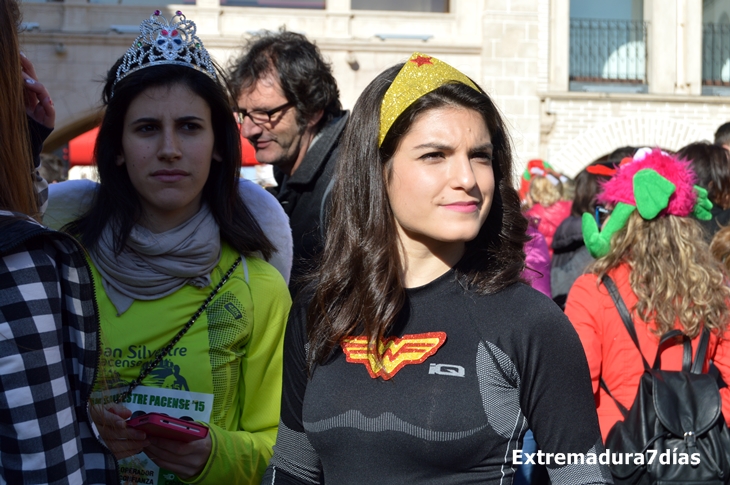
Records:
x=225, y=42
x=631, y=97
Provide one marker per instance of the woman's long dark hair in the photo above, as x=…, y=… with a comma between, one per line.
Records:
x=358, y=289
x=117, y=200
x=711, y=163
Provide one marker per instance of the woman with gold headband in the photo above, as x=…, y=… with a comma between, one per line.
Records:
x=418, y=355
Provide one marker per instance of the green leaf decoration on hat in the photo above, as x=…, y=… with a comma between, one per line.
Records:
x=651, y=192
x=703, y=205
x=599, y=242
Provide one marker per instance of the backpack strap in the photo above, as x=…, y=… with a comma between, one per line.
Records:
x=669, y=339
x=621, y=407
x=701, y=354
x=630, y=328
x=624, y=313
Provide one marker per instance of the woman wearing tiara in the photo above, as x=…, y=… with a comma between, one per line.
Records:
x=192, y=316
x=418, y=355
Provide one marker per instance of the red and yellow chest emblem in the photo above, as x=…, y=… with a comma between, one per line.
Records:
x=396, y=352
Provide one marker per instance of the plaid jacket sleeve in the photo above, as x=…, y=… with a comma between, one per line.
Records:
x=48, y=345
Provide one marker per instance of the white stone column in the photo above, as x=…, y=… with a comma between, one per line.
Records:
x=75, y=16
x=559, y=57
x=207, y=19
x=690, y=40
x=339, y=18
x=337, y=6
x=661, y=45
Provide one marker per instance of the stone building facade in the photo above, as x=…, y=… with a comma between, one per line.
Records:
x=519, y=51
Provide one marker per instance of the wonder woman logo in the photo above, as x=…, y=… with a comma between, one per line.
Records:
x=396, y=352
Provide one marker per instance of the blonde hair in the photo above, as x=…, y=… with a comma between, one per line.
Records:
x=720, y=247
x=544, y=192
x=16, y=159
x=673, y=273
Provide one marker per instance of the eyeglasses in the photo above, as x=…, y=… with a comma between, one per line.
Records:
x=260, y=116
x=601, y=214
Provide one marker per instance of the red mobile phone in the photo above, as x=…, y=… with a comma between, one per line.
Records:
x=164, y=426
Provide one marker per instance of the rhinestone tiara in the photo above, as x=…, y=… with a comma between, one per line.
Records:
x=162, y=42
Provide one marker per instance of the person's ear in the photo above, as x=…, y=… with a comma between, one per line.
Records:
x=120, y=160
x=315, y=119
x=216, y=156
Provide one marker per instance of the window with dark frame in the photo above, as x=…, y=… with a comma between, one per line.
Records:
x=608, y=46
x=435, y=6
x=716, y=47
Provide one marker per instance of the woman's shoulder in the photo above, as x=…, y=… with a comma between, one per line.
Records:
x=16, y=230
x=68, y=200
x=255, y=269
x=522, y=306
x=33, y=261
x=22, y=234
x=523, y=319
x=273, y=221
x=588, y=297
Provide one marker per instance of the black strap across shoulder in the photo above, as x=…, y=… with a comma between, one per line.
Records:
x=160, y=354
x=624, y=313
x=701, y=354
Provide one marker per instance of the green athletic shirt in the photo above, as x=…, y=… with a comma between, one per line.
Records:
x=232, y=355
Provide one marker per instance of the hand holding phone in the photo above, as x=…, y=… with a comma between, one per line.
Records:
x=164, y=426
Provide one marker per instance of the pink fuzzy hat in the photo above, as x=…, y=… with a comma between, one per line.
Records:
x=620, y=187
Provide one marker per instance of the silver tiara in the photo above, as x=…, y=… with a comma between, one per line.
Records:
x=162, y=42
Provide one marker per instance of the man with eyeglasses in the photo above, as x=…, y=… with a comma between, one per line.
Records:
x=289, y=109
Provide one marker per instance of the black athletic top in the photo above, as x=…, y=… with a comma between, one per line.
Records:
x=469, y=374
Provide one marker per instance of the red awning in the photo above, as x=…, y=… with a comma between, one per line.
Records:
x=248, y=153
x=81, y=150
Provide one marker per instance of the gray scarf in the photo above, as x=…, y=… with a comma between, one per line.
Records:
x=152, y=266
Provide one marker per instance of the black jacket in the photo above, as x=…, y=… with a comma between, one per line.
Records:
x=304, y=197
x=720, y=219
x=570, y=258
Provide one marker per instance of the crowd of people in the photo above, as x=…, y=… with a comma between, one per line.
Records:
x=395, y=310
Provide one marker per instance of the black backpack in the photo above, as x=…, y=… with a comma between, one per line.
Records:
x=675, y=422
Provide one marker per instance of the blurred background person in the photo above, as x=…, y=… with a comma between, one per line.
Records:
x=546, y=206
x=537, y=260
x=49, y=329
x=711, y=163
x=290, y=111
x=570, y=255
x=722, y=136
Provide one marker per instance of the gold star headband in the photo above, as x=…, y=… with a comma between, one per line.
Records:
x=418, y=77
